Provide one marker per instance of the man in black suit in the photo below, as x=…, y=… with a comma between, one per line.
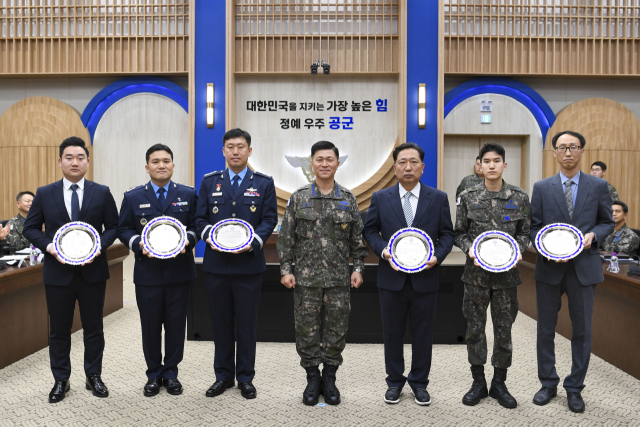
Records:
x=402, y=295
x=73, y=198
x=162, y=285
x=583, y=201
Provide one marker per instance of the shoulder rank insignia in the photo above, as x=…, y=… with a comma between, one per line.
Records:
x=211, y=173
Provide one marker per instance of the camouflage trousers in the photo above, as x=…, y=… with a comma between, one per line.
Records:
x=316, y=308
x=504, y=309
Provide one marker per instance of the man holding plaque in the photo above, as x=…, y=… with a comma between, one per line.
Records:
x=162, y=284
x=320, y=230
x=74, y=199
x=234, y=279
x=408, y=295
x=471, y=180
x=581, y=201
x=492, y=206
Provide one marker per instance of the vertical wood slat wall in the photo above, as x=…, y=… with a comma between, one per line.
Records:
x=94, y=36
x=287, y=36
x=577, y=37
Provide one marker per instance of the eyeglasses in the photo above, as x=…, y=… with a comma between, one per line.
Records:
x=572, y=148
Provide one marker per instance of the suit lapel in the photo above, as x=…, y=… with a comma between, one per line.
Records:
x=86, y=197
x=171, y=196
x=395, y=202
x=226, y=183
x=423, y=202
x=558, y=194
x=150, y=195
x=58, y=196
x=583, y=192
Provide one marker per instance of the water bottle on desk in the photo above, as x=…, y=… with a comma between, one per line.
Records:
x=33, y=256
x=613, y=265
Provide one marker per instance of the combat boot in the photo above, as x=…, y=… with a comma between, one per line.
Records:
x=313, y=390
x=478, y=389
x=329, y=389
x=499, y=390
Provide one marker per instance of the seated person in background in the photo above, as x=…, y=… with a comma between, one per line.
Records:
x=623, y=239
x=11, y=234
x=471, y=180
x=599, y=169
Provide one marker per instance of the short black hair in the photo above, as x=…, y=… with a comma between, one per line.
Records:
x=23, y=193
x=478, y=158
x=237, y=133
x=625, y=208
x=488, y=148
x=602, y=165
x=158, y=147
x=406, y=146
x=73, y=141
x=583, y=143
x=324, y=145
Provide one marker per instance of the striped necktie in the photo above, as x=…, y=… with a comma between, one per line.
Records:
x=568, y=197
x=406, y=207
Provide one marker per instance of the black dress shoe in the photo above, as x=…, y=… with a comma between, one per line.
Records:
x=219, y=387
x=393, y=395
x=58, y=391
x=544, y=395
x=173, y=386
x=95, y=384
x=152, y=387
x=247, y=390
x=575, y=402
x=422, y=396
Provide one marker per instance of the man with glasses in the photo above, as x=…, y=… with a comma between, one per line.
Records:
x=583, y=201
x=599, y=169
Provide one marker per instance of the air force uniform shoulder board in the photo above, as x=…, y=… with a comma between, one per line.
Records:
x=133, y=188
x=261, y=174
x=212, y=173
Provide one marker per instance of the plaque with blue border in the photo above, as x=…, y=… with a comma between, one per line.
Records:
x=559, y=241
x=496, y=251
x=76, y=243
x=411, y=249
x=231, y=235
x=164, y=237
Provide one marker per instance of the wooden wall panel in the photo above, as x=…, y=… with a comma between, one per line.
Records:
x=31, y=131
x=611, y=131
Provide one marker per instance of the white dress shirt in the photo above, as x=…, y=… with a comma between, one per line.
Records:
x=68, y=192
x=415, y=194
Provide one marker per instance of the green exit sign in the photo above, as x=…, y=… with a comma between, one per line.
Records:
x=485, y=118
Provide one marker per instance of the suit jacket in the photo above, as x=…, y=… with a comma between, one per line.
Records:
x=386, y=216
x=139, y=206
x=255, y=202
x=48, y=208
x=592, y=213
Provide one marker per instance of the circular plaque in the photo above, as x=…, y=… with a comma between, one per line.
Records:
x=76, y=243
x=164, y=237
x=559, y=241
x=410, y=249
x=231, y=235
x=496, y=251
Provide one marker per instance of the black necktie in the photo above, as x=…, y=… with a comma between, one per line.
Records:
x=75, y=204
x=161, y=197
x=235, y=184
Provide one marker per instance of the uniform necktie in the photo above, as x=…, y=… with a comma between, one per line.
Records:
x=235, y=184
x=161, y=197
x=75, y=204
x=568, y=197
x=408, y=212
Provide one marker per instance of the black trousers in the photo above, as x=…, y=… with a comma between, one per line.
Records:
x=163, y=306
x=420, y=309
x=233, y=301
x=61, y=304
x=580, y=311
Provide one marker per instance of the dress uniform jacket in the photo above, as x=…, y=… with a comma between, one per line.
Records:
x=139, y=206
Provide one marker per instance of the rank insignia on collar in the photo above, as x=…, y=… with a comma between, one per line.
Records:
x=218, y=187
x=344, y=225
x=252, y=208
x=215, y=210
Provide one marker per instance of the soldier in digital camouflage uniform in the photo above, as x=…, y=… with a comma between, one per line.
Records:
x=623, y=239
x=319, y=233
x=613, y=192
x=506, y=209
x=11, y=233
x=599, y=169
x=471, y=180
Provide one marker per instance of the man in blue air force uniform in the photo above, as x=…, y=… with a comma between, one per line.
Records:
x=233, y=280
x=162, y=285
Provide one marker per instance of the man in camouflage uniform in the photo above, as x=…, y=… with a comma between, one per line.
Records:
x=492, y=205
x=11, y=234
x=623, y=239
x=320, y=230
x=599, y=169
x=471, y=180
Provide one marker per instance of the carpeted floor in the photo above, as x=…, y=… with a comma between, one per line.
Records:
x=612, y=397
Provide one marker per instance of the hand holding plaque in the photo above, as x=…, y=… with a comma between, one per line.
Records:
x=76, y=243
x=559, y=242
x=411, y=249
x=164, y=237
x=231, y=235
x=495, y=251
